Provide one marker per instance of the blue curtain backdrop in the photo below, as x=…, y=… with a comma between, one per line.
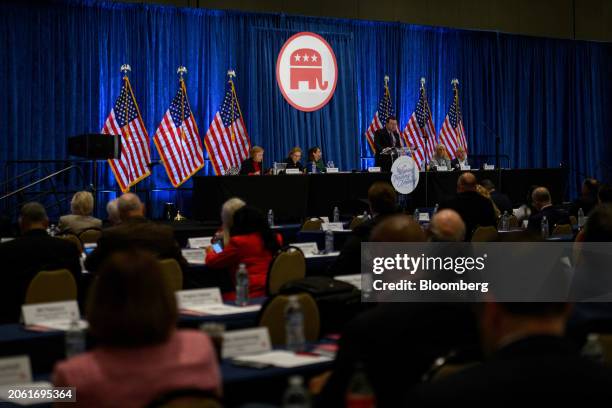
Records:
x=549, y=100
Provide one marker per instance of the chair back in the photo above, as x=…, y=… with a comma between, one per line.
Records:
x=563, y=229
x=173, y=275
x=272, y=316
x=90, y=235
x=312, y=224
x=51, y=286
x=484, y=234
x=186, y=398
x=288, y=265
x=72, y=239
x=356, y=221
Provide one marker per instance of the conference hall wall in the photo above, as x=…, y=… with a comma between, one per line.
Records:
x=548, y=99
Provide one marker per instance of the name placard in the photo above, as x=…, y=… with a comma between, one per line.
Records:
x=441, y=168
x=307, y=248
x=199, y=242
x=187, y=299
x=244, y=342
x=292, y=171
x=332, y=226
x=466, y=167
x=15, y=370
x=424, y=216
x=3, y=240
x=194, y=256
x=373, y=169
x=332, y=170
x=489, y=167
x=42, y=313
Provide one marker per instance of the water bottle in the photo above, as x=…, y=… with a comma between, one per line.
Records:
x=296, y=395
x=593, y=349
x=242, y=286
x=52, y=230
x=505, y=225
x=580, y=218
x=365, y=215
x=336, y=214
x=270, y=218
x=416, y=214
x=544, y=227
x=294, y=325
x=360, y=393
x=313, y=167
x=74, y=339
x=329, y=241
x=436, y=208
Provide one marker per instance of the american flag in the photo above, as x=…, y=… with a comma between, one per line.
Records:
x=420, y=127
x=227, y=141
x=385, y=109
x=178, y=139
x=452, y=134
x=125, y=120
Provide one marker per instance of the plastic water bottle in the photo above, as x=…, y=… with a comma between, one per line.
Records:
x=242, y=286
x=505, y=225
x=270, y=218
x=580, y=218
x=416, y=214
x=336, y=214
x=329, y=241
x=436, y=208
x=360, y=393
x=544, y=227
x=365, y=215
x=593, y=349
x=294, y=325
x=313, y=167
x=74, y=339
x=52, y=230
x=296, y=395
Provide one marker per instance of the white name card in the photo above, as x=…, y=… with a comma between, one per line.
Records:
x=194, y=256
x=3, y=240
x=292, y=171
x=489, y=167
x=466, y=167
x=187, y=299
x=354, y=280
x=199, y=242
x=441, y=168
x=373, y=169
x=332, y=170
x=332, y=226
x=15, y=370
x=424, y=216
x=324, y=219
x=244, y=342
x=54, y=316
x=307, y=248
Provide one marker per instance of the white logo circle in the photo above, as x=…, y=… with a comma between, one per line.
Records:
x=306, y=71
x=404, y=175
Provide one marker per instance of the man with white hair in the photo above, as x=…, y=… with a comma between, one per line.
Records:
x=447, y=226
x=113, y=212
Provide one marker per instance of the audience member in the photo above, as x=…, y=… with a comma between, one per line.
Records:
x=485, y=193
x=397, y=342
x=528, y=360
x=32, y=252
x=588, y=197
x=544, y=208
x=227, y=217
x=383, y=202
x=501, y=200
x=474, y=209
x=135, y=232
x=139, y=354
x=446, y=226
x=113, y=213
x=81, y=206
x=527, y=208
x=252, y=243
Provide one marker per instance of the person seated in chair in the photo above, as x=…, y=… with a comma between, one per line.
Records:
x=81, y=206
x=543, y=205
x=253, y=166
x=460, y=159
x=293, y=161
x=315, y=156
x=440, y=158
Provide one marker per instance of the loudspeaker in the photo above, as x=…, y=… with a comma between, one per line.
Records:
x=95, y=146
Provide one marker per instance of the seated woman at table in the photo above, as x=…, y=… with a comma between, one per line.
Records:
x=440, y=158
x=252, y=243
x=253, y=166
x=227, y=218
x=460, y=159
x=293, y=161
x=140, y=355
x=315, y=156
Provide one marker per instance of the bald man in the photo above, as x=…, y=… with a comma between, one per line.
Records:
x=135, y=232
x=447, y=226
x=474, y=209
x=542, y=202
x=397, y=228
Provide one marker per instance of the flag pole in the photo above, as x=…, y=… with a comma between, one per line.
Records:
x=231, y=74
x=455, y=84
x=181, y=71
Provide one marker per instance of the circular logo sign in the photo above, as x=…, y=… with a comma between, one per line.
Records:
x=306, y=71
x=404, y=175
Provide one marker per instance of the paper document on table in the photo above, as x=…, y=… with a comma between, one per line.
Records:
x=354, y=280
x=284, y=359
x=194, y=256
x=222, y=310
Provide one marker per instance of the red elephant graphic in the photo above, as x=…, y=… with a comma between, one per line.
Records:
x=305, y=66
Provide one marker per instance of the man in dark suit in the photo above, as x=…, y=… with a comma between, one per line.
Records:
x=135, y=232
x=32, y=252
x=528, y=362
x=460, y=159
x=387, y=137
x=396, y=343
x=542, y=202
x=474, y=209
x=501, y=200
x=588, y=197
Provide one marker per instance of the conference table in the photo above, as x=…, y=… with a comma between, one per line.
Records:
x=296, y=197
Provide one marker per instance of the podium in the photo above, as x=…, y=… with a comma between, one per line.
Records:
x=94, y=146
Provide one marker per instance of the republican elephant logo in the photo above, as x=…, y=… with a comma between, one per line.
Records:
x=307, y=71
x=306, y=66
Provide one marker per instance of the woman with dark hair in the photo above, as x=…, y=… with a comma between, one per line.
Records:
x=252, y=243
x=315, y=156
x=139, y=353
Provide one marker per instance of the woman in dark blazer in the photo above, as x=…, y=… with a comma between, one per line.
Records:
x=293, y=161
x=253, y=166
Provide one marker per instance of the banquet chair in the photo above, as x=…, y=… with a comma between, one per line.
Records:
x=484, y=234
x=172, y=273
x=72, y=239
x=90, y=235
x=186, y=398
x=288, y=265
x=272, y=316
x=312, y=224
x=562, y=229
x=356, y=221
x=51, y=286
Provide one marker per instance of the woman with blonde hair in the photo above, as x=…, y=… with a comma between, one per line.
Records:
x=293, y=159
x=253, y=166
x=440, y=158
x=227, y=216
x=81, y=207
x=486, y=194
